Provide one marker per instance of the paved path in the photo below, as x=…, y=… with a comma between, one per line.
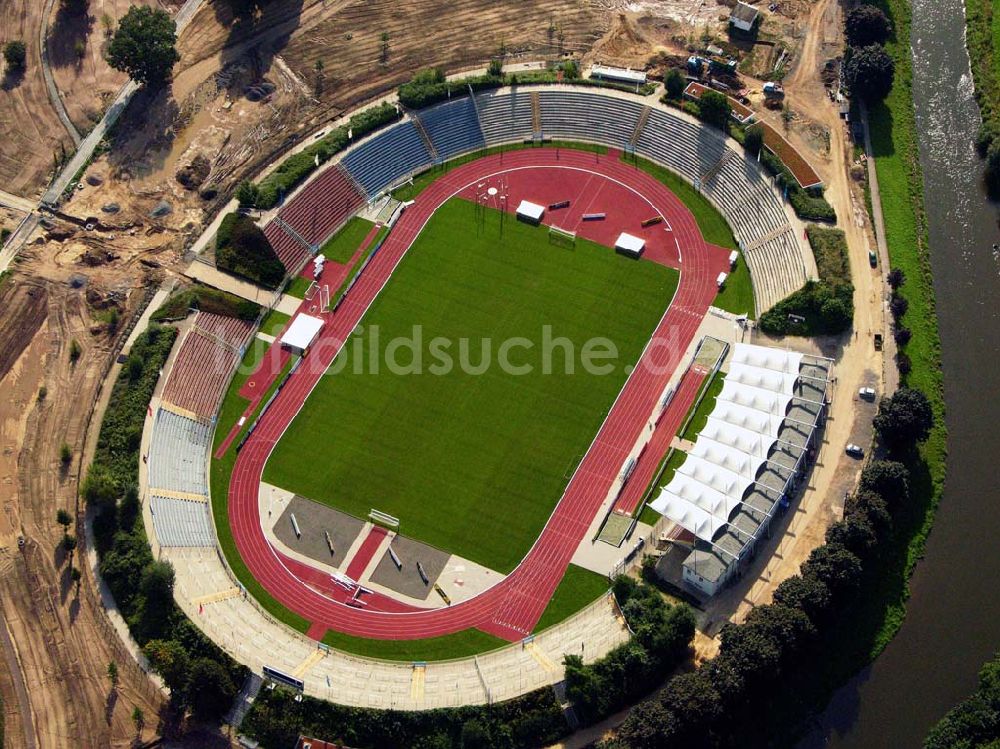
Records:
x=15, y=202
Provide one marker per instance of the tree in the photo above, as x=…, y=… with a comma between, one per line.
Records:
x=836, y=567
x=99, y=488
x=15, y=54
x=895, y=278
x=495, y=69
x=714, y=108
x=904, y=419
x=873, y=508
x=139, y=718
x=869, y=72
x=64, y=519
x=144, y=45
x=74, y=351
x=865, y=25
x=789, y=627
x=754, y=140
x=210, y=690
x=247, y=194
x=384, y=48
x=888, y=479
x=69, y=542
x=855, y=534
x=807, y=593
x=570, y=70
x=675, y=83
x=695, y=705
x=171, y=661
x=128, y=508
x=113, y=674
x=649, y=725
x=65, y=454
x=74, y=575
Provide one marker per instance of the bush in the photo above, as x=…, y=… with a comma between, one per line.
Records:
x=827, y=309
x=902, y=336
x=753, y=141
x=974, y=722
x=206, y=299
x=895, y=278
x=898, y=306
x=809, y=205
x=247, y=253
x=14, y=54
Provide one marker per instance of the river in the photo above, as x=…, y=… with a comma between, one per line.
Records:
x=953, y=617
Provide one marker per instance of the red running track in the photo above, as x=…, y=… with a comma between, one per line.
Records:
x=512, y=607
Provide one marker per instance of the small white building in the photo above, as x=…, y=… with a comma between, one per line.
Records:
x=530, y=212
x=630, y=245
x=743, y=17
x=301, y=334
x=618, y=75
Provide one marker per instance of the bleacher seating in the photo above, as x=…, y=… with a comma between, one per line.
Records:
x=504, y=116
x=178, y=454
x=181, y=522
x=685, y=147
x=200, y=374
x=230, y=331
x=581, y=115
x=290, y=251
x=322, y=206
x=453, y=127
x=387, y=157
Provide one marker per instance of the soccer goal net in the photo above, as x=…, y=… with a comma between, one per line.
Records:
x=561, y=237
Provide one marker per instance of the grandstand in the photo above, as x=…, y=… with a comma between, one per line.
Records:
x=181, y=522
x=747, y=461
x=291, y=251
x=205, y=361
x=387, y=157
x=321, y=208
x=504, y=117
x=575, y=115
x=178, y=454
x=453, y=127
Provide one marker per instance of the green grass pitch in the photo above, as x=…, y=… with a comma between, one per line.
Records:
x=474, y=464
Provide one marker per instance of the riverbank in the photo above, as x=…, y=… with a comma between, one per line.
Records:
x=982, y=38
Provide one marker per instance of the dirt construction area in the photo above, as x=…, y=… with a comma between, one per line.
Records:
x=57, y=643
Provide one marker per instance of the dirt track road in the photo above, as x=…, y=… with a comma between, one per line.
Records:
x=62, y=645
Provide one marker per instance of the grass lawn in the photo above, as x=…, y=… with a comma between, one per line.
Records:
x=273, y=322
x=457, y=645
x=737, y=296
x=473, y=463
x=577, y=588
x=358, y=263
x=340, y=248
x=422, y=180
x=696, y=419
x=298, y=287
x=672, y=462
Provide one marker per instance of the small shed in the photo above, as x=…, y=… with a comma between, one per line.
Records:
x=743, y=17
x=301, y=334
x=530, y=212
x=619, y=75
x=630, y=245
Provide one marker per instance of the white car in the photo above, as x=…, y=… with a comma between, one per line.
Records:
x=855, y=451
x=867, y=394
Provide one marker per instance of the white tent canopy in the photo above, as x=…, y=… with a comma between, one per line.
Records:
x=735, y=441
x=302, y=332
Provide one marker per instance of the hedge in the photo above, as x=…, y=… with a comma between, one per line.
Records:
x=809, y=205
x=243, y=250
x=296, y=168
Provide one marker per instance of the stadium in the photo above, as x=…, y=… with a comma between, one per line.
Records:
x=340, y=518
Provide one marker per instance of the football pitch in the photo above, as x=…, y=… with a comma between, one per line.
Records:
x=473, y=462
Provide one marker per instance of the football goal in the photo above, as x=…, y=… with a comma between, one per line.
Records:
x=561, y=237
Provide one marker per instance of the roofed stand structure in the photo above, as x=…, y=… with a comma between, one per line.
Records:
x=747, y=461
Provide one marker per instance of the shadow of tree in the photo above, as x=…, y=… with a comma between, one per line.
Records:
x=70, y=30
x=12, y=79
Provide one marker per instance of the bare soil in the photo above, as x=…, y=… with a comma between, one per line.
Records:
x=63, y=641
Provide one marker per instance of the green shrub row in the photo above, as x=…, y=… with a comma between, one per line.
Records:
x=143, y=587
x=808, y=204
x=662, y=639
x=206, y=299
x=296, y=168
x=827, y=305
